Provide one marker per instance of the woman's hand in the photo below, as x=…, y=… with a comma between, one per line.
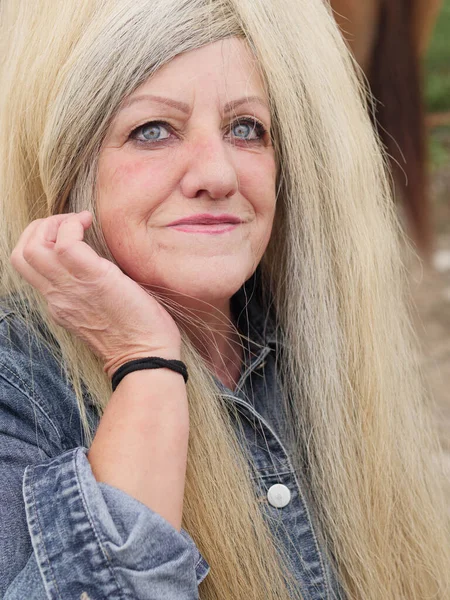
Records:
x=90, y=296
x=141, y=442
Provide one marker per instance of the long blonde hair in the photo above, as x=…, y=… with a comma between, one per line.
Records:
x=332, y=271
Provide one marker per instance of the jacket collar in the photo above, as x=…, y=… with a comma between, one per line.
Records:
x=253, y=319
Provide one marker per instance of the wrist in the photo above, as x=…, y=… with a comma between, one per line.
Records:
x=148, y=363
x=148, y=378
x=111, y=366
x=155, y=394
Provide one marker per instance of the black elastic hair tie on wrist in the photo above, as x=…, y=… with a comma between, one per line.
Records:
x=150, y=362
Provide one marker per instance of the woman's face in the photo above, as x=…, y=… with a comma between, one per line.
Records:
x=192, y=140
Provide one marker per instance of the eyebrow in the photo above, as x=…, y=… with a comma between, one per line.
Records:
x=185, y=108
x=229, y=106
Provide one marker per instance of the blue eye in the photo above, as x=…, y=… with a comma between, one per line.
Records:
x=248, y=129
x=245, y=129
x=151, y=132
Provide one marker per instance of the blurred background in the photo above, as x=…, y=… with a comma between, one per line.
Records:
x=403, y=47
x=431, y=285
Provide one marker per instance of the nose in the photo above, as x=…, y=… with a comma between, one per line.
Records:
x=210, y=170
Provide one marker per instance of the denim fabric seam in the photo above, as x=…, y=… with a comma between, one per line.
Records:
x=269, y=475
x=319, y=552
x=252, y=366
x=198, y=562
x=36, y=520
x=201, y=560
x=28, y=393
x=91, y=522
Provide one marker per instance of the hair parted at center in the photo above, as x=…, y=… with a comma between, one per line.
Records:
x=359, y=431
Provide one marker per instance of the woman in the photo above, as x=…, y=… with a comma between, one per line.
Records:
x=296, y=462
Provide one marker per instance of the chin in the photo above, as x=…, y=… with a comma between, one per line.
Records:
x=211, y=286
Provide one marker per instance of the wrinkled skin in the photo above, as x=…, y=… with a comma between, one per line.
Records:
x=90, y=296
x=201, y=161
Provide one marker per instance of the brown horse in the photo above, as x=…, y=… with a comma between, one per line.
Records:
x=388, y=39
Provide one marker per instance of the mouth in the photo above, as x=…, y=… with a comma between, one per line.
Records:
x=210, y=228
x=206, y=223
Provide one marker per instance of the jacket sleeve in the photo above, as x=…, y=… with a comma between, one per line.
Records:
x=65, y=536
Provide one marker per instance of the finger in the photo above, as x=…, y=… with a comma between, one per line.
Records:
x=33, y=255
x=48, y=232
x=36, y=245
x=73, y=253
x=86, y=218
x=21, y=265
x=30, y=275
x=17, y=258
x=51, y=233
x=71, y=230
x=26, y=235
x=30, y=231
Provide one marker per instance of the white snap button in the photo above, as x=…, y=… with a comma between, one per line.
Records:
x=279, y=495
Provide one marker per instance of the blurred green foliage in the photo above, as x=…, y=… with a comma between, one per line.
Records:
x=439, y=148
x=437, y=64
x=437, y=86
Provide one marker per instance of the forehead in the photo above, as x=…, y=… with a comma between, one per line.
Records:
x=220, y=70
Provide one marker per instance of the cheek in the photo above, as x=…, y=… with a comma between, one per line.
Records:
x=131, y=186
x=128, y=191
x=257, y=177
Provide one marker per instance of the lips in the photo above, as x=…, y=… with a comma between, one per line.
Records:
x=207, y=219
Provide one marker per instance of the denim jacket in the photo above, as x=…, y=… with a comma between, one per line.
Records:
x=65, y=536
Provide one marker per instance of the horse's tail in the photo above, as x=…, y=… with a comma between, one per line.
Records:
x=395, y=81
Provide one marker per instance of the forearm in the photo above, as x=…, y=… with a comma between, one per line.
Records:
x=141, y=442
